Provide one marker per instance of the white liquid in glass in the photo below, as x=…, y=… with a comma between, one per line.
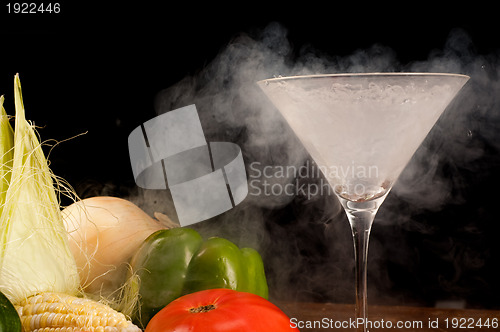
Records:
x=362, y=130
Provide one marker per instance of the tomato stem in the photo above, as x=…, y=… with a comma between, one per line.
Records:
x=203, y=308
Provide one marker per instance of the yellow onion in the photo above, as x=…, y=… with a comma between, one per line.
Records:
x=104, y=234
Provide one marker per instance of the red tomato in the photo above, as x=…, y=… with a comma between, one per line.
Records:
x=220, y=310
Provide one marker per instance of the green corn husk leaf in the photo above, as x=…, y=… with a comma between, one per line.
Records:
x=6, y=152
x=35, y=255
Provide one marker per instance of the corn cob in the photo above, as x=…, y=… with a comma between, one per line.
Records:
x=55, y=312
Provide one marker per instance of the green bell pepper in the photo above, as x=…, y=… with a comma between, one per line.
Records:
x=174, y=262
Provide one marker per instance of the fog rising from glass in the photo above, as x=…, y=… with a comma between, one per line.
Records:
x=233, y=108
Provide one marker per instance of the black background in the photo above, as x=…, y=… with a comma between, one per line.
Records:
x=96, y=68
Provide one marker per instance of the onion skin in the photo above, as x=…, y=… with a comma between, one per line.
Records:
x=104, y=233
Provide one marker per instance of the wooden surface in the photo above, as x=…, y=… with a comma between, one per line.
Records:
x=331, y=317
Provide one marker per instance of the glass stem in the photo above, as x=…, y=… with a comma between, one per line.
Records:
x=361, y=216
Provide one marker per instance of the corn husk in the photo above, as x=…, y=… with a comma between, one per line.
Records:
x=34, y=251
x=6, y=152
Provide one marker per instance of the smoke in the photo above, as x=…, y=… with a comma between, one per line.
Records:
x=305, y=239
x=464, y=131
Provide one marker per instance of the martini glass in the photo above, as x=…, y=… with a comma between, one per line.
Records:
x=361, y=130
